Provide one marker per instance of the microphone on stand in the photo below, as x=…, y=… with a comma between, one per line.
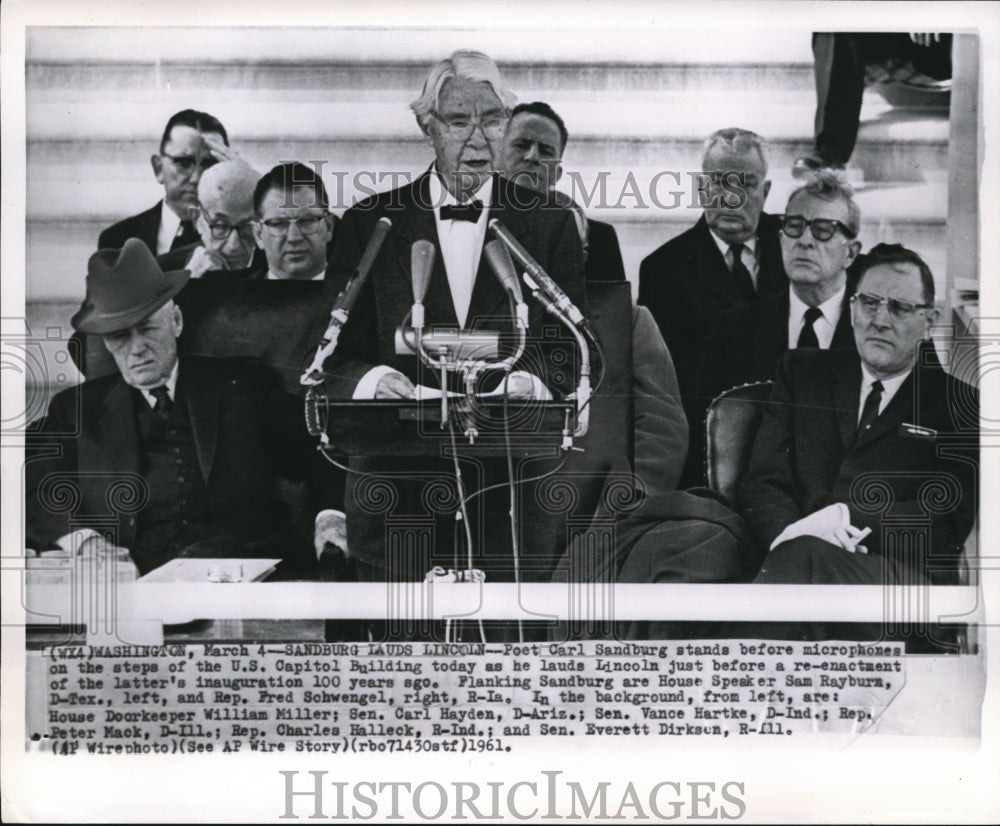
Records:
x=552, y=297
x=421, y=264
x=499, y=260
x=345, y=301
x=542, y=279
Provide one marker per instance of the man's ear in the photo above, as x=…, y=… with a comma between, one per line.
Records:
x=853, y=248
x=178, y=321
x=767, y=189
x=258, y=234
x=559, y=172
x=157, y=163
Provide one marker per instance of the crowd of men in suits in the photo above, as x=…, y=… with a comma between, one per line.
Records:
x=741, y=296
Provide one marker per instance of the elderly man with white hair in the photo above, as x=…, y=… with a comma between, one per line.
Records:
x=463, y=112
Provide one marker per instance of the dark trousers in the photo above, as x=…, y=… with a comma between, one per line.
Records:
x=840, y=61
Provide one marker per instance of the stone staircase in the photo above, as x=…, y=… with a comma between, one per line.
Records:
x=97, y=100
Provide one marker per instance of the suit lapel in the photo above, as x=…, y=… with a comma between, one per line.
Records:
x=120, y=429
x=843, y=333
x=770, y=335
x=846, y=390
x=899, y=409
x=203, y=398
x=488, y=295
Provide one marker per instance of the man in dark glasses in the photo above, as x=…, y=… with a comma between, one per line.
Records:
x=864, y=468
x=192, y=142
x=819, y=245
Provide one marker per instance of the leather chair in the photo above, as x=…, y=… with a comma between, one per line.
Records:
x=731, y=425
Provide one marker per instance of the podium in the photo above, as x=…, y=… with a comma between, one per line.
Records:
x=392, y=428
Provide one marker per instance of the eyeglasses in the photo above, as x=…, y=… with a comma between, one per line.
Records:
x=185, y=164
x=221, y=230
x=461, y=128
x=822, y=229
x=307, y=224
x=899, y=310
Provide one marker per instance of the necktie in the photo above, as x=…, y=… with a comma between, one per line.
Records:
x=462, y=212
x=870, y=410
x=744, y=281
x=163, y=404
x=186, y=234
x=807, y=338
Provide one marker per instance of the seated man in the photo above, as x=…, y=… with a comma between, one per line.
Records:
x=224, y=219
x=178, y=455
x=192, y=142
x=853, y=444
x=294, y=225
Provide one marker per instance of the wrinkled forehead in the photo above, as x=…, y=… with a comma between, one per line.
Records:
x=227, y=202
x=460, y=95
x=809, y=206
x=727, y=160
x=900, y=280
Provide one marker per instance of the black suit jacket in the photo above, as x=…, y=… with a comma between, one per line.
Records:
x=145, y=226
x=83, y=457
x=547, y=232
x=748, y=341
x=604, y=254
x=894, y=478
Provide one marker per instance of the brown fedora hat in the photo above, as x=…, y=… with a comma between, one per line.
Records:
x=123, y=287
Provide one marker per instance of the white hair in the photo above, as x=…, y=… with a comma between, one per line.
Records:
x=462, y=64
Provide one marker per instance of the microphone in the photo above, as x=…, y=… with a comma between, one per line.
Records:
x=533, y=269
x=503, y=268
x=345, y=301
x=421, y=263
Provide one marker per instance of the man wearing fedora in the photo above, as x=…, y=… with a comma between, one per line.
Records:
x=172, y=455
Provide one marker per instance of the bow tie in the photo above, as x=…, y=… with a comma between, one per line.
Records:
x=462, y=212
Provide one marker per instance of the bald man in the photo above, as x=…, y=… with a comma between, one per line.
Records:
x=223, y=218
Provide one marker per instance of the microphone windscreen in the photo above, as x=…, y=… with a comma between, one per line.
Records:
x=500, y=261
x=421, y=263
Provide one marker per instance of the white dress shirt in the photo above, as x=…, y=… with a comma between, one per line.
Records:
x=461, y=242
x=170, y=225
x=824, y=326
x=889, y=388
x=748, y=256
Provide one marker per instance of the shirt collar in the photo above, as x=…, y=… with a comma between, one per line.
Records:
x=889, y=386
x=830, y=308
x=271, y=276
x=171, y=385
x=750, y=244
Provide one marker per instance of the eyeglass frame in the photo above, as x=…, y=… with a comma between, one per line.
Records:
x=263, y=224
x=181, y=162
x=450, y=128
x=907, y=307
x=241, y=228
x=810, y=223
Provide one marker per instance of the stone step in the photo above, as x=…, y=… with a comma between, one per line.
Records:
x=649, y=117
x=696, y=45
